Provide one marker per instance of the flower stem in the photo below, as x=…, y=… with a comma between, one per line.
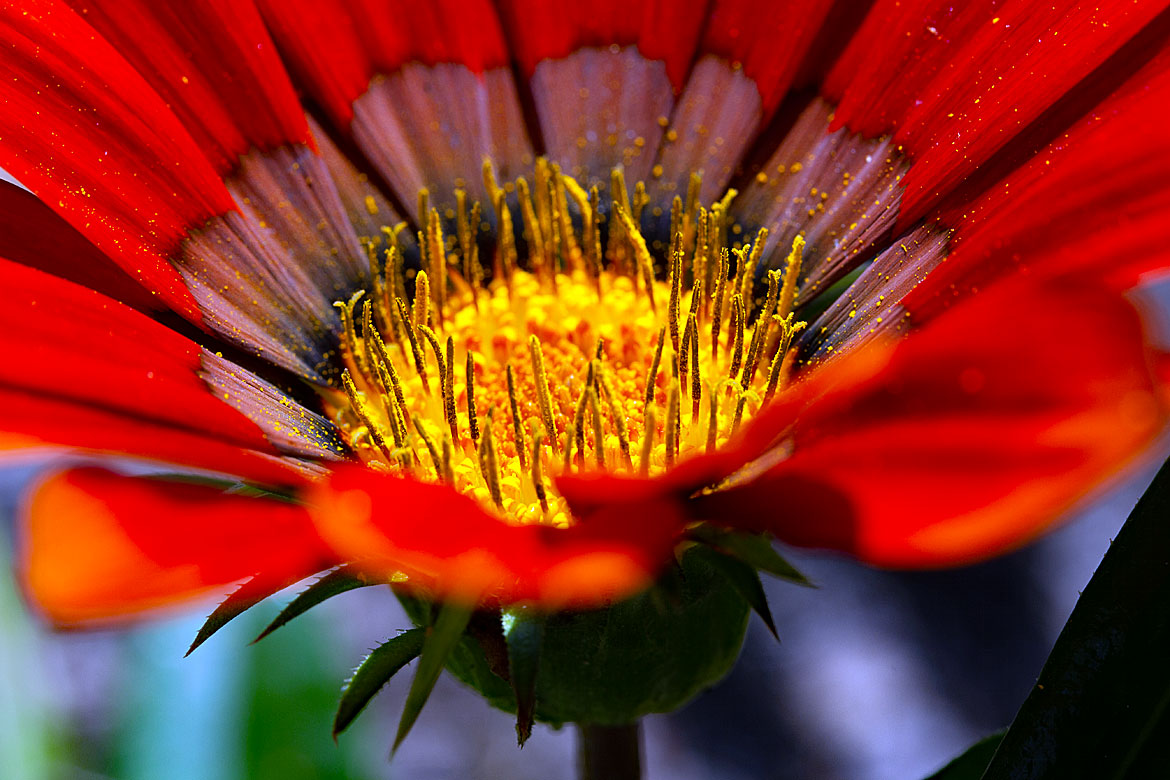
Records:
x=609, y=752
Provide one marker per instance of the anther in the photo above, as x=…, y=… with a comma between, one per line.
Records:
x=747, y=290
x=448, y=467
x=424, y=208
x=672, y=425
x=791, y=273
x=490, y=465
x=641, y=254
x=421, y=313
x=359, y=406
x=567, y=452
x=675, y=293
x=448, y=382
x=420, y=362
x=490, y=186
x=761, y=330
x=648, y=428
x=598, y=433
x=579, y=422
x=717, y=315
x=692, y=334
x=472, y=421
x=544, y=396
x=618, y=415
x=713, y=418
x=737, y=316
x=537, y=477
x=517, y=428
x=430, y=445
x=652, y=376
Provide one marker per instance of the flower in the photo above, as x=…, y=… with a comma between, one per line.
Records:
x=870, y=292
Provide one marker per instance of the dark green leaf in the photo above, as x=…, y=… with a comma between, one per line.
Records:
x=241, y=600
x=972, y=762
x=374, y=672
x=440, y=641
x=524, y=633
x=1099, y=709
x=754, y=550
x=332, y=584
x=745, y=581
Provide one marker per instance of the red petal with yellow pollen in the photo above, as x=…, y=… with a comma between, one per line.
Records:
x=957, y=85
x=40, y=423
x=137, y=382
x=1093, y=200
x=33, y=234
x=450, y=547
x=97, y=546
x=984, y=428
x=86, y=133
x=214, y=65
x=425, y=89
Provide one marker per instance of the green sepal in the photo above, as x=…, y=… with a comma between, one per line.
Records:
x=238, y=602
x=745, y=580
x=612, y=666
x=971, y=763
x=440, y=641
x=332, y=584
x=753, y=549
x=373, y=672
x=524, y=634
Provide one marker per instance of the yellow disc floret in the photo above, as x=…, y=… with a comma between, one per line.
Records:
x=583, y=360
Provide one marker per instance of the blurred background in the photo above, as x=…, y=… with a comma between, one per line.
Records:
x=878, y=676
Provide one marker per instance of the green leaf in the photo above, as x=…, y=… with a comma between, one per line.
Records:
x=440, y=641
x=971, y=763
x=240, y=601
x=745, y=581
x=375, y=671
x=1100, y=707
x=524, y=633
x=754, y=550
x=332, y=584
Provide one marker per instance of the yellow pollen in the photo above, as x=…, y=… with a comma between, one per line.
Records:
x=569, y=363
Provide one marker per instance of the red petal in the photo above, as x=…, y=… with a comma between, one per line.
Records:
x=40, y=422
x=137, y=386
x=957, y=86
x=98, y=546
x=67, y=341
x=451, y=547
x=336, y=46
x=769, y=40
x=33, y=234
x=82, y=129
x=660, y=30
x=986, y=426
x=214, y=65
x=1093, y=200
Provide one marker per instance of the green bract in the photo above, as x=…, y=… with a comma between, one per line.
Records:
x=651, y=653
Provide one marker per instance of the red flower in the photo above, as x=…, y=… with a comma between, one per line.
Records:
x=996, y=168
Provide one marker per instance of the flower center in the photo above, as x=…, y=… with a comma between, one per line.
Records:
x=583, y=359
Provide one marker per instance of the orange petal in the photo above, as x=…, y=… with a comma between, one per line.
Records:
x=97, y=546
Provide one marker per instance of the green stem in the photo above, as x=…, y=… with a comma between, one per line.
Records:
x=609, y=752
